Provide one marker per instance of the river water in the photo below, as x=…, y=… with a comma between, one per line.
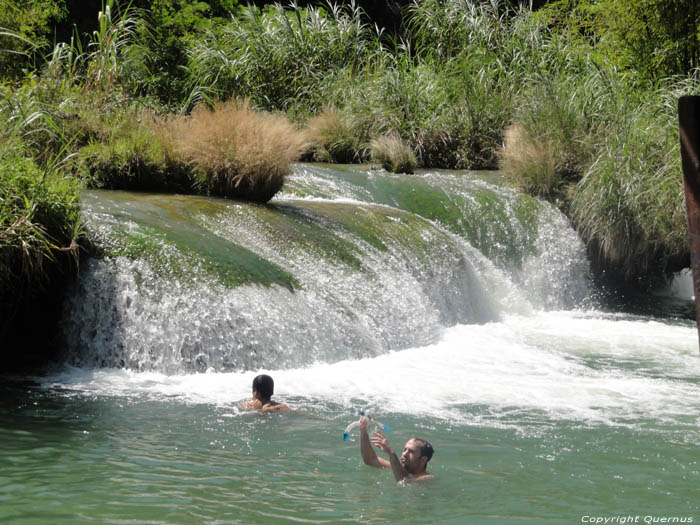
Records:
x=541, y=407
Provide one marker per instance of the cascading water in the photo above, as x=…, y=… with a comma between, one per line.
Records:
x=454, y=307
x=355, y=278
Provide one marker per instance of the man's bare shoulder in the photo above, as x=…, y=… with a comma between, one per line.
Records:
x=422, y=477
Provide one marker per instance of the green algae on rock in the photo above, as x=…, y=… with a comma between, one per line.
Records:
x=161, y=229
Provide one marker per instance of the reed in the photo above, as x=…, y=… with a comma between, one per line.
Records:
x=445, y=28
x=472, y=84
x=398, y=98
x=629, y=206
x=277, y=56
x=606, y=152
x=560, y=121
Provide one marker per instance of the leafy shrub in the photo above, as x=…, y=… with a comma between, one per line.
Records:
x=39, y=219
x=24, y=28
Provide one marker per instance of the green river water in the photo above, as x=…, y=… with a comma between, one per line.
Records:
x=355, y=289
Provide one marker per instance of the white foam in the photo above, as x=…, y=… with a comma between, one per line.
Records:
x=681, y=286
x=560, y=365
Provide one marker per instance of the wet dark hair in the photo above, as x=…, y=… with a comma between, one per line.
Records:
x=264, y=385
x=426, y=449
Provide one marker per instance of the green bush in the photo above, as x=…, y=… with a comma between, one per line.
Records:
x=24, y=31
x=654, y=39
x=166, y=30
x=39, y=219
x=40, y=235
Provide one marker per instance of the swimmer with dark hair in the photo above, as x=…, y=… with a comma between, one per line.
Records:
x=414, y=458
x=263, y=388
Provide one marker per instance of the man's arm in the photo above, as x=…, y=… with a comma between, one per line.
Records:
x=369, y=456
x=396, y=468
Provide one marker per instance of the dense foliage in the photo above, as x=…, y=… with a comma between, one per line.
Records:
x=26, y=27
x=575, y=100
x=653, y=38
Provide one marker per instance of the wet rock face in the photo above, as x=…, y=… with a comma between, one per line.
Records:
x=29, y=320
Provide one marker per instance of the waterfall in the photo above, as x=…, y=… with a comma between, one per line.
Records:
x=346, y=263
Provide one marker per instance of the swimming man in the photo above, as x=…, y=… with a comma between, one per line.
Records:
x=414, y=458
x=263, y=388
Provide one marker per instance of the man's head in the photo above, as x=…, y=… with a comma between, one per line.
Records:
x=415, y=455
x=263, y=386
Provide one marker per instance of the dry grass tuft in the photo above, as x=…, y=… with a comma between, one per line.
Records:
x=334, y=138
x=242, y=153
x=531, y=162
x=393, y=154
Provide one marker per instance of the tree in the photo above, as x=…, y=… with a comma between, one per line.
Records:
x=656, y=38
x=24, y=28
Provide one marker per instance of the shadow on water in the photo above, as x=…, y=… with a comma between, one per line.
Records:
x=667, y=308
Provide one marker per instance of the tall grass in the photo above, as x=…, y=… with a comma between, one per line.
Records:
x=130, y=153
x=278, y=57
x=40, y=234
x=472, y=83
x=230, y=150
x=443, y=29
x=478, y=106
x=449, y=97
x=608, y=154
x=629, y=206
x=574, y=130
x=533, y=161
x=104, y=63
x=399, y=99
x=557, y=124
